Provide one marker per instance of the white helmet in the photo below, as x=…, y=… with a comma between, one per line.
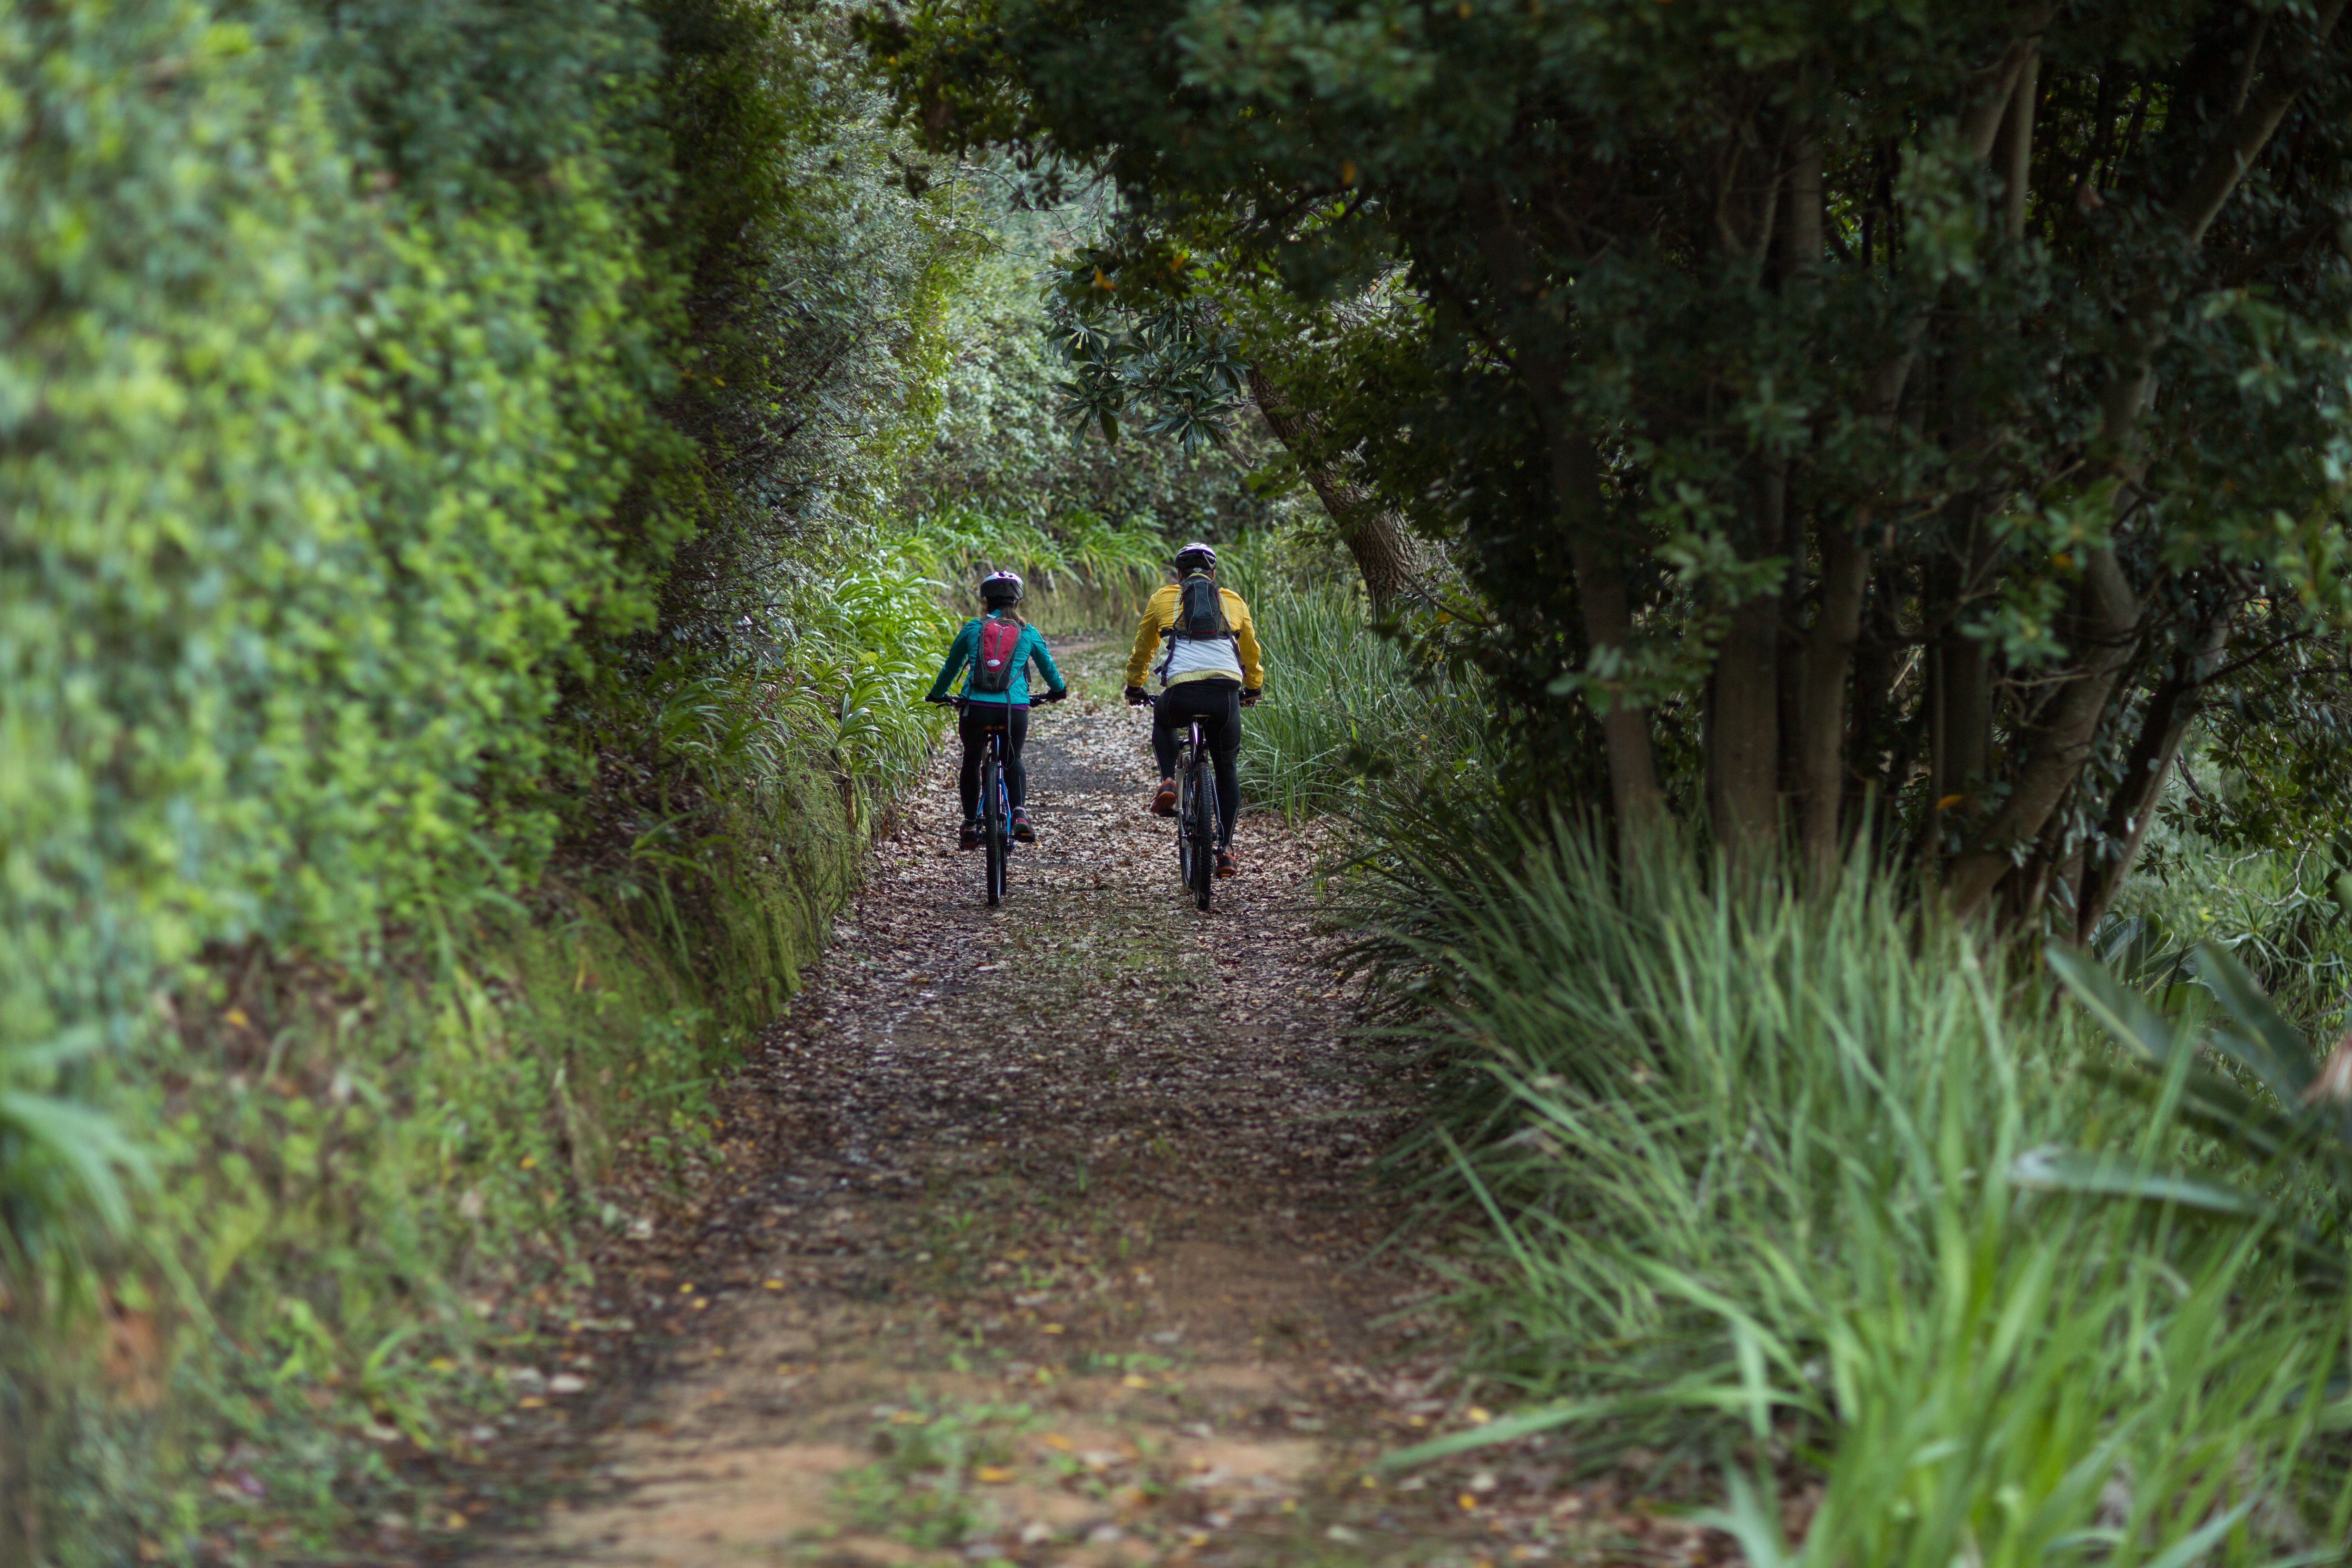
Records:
x=1000, y=585
x=1198, y=551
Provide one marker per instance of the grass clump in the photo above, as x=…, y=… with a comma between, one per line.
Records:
x=923, y=1485
x=1750, y=1162
x=1347, y=704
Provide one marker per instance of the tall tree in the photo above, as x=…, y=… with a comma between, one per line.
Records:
x=1900, y=409
x=1181, y=341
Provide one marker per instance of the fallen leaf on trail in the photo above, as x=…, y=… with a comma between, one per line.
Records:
x=1184, y=1085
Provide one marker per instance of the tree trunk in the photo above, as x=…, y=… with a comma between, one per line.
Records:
x=1609, y=634
x=1828, y=660
x=2012, y=152
x=1386, y=555
x=2170, y=710
x=1743, y=733
x=1964, y=737
x=1743, y=726
x=2061, y=744
x=2110, y=610
x=1602, y=599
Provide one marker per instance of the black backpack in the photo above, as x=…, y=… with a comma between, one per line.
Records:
x=1201, y=610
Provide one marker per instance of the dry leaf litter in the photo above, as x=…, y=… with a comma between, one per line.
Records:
x=1042, y=1235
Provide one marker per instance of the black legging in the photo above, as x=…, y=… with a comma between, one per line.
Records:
x=978, y=719
x=1218, y=705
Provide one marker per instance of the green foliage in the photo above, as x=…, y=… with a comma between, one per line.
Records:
x=1003, y=442
x=2262, y=811
x=334, y=351
x=397, y=832
x=1752, y=1165
x=1174, y=362
x=1350, y=714
x=1749, y=349
x=2284, y=912
x=2278, y=1110
x=875, y=636
x=960, y=545
x=257, y=410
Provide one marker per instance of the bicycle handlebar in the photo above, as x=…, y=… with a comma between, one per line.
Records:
x=960, y=700
x=1148, y=701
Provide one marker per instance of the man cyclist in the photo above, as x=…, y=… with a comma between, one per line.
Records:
x=1209, y=669
x=999, y=647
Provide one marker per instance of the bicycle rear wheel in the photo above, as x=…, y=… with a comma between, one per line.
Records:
x=1202, y=830
x=995, y=827
x=1184, y=780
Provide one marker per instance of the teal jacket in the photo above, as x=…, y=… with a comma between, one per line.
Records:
x=966, y=648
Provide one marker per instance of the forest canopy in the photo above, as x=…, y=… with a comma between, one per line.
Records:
x=1884, y=419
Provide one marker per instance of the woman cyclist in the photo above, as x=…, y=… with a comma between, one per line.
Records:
x=998, y=646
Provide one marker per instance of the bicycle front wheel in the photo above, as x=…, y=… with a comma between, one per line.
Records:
x=995, y=827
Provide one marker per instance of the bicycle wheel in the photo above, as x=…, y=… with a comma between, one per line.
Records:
x=1202, y=830
x=1184, y=815
x=995, y=830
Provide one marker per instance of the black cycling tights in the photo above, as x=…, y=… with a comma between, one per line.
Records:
x=978, y=718
x=1218, y=705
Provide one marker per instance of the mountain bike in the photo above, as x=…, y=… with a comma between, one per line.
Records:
x=1196, y=811
x=995, y=803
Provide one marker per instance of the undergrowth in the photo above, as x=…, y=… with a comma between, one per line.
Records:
x=1754, y=1170
x=1348, y=705
x=364, y=1178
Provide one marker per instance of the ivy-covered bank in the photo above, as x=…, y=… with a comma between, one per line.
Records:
x=450, y=652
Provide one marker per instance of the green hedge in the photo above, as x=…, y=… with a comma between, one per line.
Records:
x=364, y=898
x=332, y=353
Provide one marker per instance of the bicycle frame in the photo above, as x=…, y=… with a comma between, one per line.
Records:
x=1196, y=812
x=995, y=808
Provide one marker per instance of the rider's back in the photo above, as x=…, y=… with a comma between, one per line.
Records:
x=1195, y=653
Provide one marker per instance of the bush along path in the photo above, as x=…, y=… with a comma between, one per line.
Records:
x=1046, y=1234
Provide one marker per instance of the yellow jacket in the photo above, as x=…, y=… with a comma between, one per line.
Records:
x=1161, y=614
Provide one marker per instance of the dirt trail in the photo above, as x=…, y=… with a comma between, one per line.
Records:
x=1051, y=1248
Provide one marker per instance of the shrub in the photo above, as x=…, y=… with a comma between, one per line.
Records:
x=1349, y=705
x=387, y=833
x=1748, y=1163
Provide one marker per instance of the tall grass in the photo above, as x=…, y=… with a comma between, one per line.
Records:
x=1345, y=705
x=1745, y=1160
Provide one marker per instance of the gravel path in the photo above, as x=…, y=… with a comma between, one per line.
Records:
x=1045, y=1234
